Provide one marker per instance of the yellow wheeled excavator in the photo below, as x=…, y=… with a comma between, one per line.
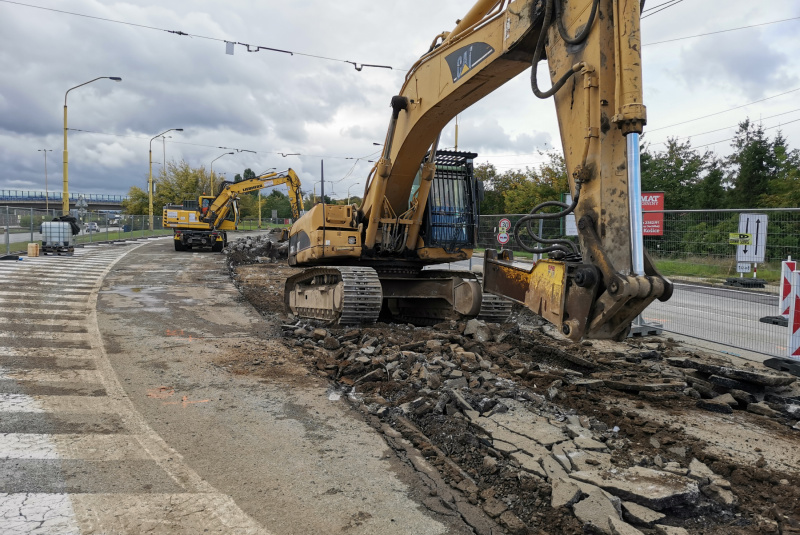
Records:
x=368, y=260
x=205, y=222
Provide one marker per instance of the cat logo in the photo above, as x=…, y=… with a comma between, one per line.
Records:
x=466, y=58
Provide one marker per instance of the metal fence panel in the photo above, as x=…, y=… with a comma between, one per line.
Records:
x=695, y=253
x=21, y=226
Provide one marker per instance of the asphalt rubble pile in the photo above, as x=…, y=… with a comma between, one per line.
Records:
x=261, y=249
x=503, y=413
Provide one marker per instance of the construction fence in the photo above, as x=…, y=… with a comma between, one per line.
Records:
x=20, y=226
x=724, y=293
x=694, y=250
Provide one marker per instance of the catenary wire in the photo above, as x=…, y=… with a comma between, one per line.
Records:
x=673, y=4
x=358, y=66
x=724, y=111
x=732, y=138
x=721, y=31
x=724, y=128
x=216, y=147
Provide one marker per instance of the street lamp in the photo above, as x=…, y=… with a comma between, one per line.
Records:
x=65, y=200
x=150, y=182
x=212, y=170
x=46, y=195
x=348, y=190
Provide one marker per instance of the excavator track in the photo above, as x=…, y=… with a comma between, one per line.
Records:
x=344, y=295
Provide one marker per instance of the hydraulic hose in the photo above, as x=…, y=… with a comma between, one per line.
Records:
x=537, y=54
x=583, y=34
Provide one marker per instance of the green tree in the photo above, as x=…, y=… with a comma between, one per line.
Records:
x=678, y=172
x=522, y=191
x=493, y=202
x=783, y=190
x=752, y=165
x=175, y=184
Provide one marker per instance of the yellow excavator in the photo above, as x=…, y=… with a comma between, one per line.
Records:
x=419, y=203
x=205, y=222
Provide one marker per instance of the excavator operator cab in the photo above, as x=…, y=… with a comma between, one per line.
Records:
x=452, y=210
x=205, y=202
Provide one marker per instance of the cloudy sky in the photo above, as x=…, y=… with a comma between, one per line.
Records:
x=313, y=105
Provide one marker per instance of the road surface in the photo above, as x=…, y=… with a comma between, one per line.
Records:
x=118, y=413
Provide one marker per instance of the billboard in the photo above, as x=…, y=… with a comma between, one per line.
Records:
x=652, y=223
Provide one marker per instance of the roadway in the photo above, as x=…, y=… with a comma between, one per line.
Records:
x=119, y=412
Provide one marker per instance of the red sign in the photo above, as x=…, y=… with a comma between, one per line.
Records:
x=653, y=223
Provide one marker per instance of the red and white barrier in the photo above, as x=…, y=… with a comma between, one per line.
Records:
x=794, y=318
x=787, y=268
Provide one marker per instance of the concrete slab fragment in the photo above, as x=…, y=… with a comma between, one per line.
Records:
x=651, y=488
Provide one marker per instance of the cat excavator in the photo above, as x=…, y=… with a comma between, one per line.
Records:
x=419, y=208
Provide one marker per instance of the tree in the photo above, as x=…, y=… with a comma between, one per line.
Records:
x=524, y=190
x=678, y=171
x=753, y=165
x=175, y=184
x=783, y=190
x=493, y=202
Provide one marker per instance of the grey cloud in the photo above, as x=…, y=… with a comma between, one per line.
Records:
x=751, y=66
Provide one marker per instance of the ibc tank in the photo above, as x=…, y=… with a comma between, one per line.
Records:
x=57, y=234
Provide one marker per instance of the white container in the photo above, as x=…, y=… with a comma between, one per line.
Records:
x=57, y=234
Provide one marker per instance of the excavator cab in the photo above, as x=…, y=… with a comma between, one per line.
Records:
x=451, y=216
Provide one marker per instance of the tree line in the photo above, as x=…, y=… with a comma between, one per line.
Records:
x=759, y=173
x=180, y=182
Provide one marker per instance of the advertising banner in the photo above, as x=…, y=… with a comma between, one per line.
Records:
x=653, y=223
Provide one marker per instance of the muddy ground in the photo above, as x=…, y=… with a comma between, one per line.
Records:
x=474, y=400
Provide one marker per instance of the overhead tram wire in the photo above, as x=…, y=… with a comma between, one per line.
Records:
x=649, y=130
x=645, y=10
x=721, y=31
x=216, y=147
x=724, y=128
x=732, y=138
x=255, y=48
x=672, y=4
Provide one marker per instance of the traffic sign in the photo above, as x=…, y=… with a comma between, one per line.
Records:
x=744, y=267
x=503, y=238
x=505, y=225
x=756, y=225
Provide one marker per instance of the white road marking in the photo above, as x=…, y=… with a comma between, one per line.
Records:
x=56, y=281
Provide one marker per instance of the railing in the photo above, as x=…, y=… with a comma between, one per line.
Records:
x=10, y=195
x=20, y=226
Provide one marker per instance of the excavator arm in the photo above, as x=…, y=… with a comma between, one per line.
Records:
x=593, y=54
x=231, y=191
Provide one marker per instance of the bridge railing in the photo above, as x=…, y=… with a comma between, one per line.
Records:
x=11, y=195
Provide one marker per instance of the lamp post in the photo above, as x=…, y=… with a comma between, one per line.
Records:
x=348, y=190
x=65, y=200
x=46, y=194
x=212, y=171
x=150, y=181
